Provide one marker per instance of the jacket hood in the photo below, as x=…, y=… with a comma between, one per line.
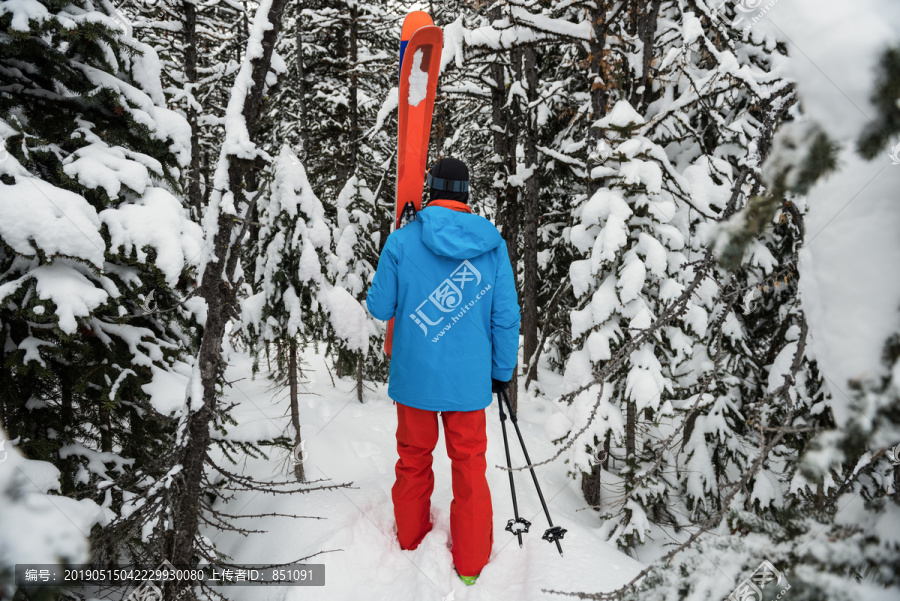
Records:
x=457, y=235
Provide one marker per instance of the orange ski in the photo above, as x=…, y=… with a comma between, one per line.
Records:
x=420, y=63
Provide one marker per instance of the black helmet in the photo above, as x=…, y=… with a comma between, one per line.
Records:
x=448, y=178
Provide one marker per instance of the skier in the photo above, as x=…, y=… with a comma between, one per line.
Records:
x=447, y=279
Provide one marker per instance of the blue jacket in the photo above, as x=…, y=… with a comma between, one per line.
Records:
x=447, y=279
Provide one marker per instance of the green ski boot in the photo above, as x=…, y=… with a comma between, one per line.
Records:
x=469, y=580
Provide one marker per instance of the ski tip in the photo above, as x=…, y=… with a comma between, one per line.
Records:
x=413, y=21
x=417, y=19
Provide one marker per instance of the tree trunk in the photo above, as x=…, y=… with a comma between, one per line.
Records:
x=251, y=179
x=647, y=22
x=207, y=188
x=220, y=294
x=897, y=481
x=440, y=128
x=606, y=450
x=630, y=427
x=689, y=428
x=67, y=476
x=354, y=142
x=295, y=410
x=301, y=72
x=591, y=486
x=504, y=146
x=106, y=440
x=529, y=299
x=354, y=92
x=591, y=482
x=597, y=80
x=189, y=35
x=359, y=377
x=511, y=203
x=548, y=311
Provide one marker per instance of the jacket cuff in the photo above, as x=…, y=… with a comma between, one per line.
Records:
x=502, y=375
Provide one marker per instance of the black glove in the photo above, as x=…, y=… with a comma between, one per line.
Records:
x=498, y=386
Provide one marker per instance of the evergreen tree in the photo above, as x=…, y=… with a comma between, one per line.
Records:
x=293, y=244
x=337, y=111
x=98, y=254
x=687, y=346
x=35, y=526
x=351, y=268
x=200, y=46
x=634, y=233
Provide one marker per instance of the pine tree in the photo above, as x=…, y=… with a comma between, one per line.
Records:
x=98, y=253
x=634, y=234
x=200, y=47
x=339, y=69
x=770, y=474
x=35, y=525
x=694, y=353
x=293, y=245
x=351, y=269
x=220, y=284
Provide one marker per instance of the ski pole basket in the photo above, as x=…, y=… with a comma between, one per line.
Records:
x=518, y=525
x=551, y=535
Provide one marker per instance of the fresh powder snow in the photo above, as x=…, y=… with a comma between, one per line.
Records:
x=346, y=441
x=418, y=80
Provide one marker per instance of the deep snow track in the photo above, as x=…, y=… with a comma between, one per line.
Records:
x=351, y=442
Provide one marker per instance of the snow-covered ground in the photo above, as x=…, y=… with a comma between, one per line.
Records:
x=351, y=442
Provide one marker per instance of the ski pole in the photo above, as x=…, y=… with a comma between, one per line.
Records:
x=518, y=525
x=554, y=533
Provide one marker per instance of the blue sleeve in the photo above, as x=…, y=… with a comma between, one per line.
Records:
x=504, y=320
x=381, y=299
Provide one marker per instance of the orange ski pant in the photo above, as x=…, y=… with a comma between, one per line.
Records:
x=471, y=514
